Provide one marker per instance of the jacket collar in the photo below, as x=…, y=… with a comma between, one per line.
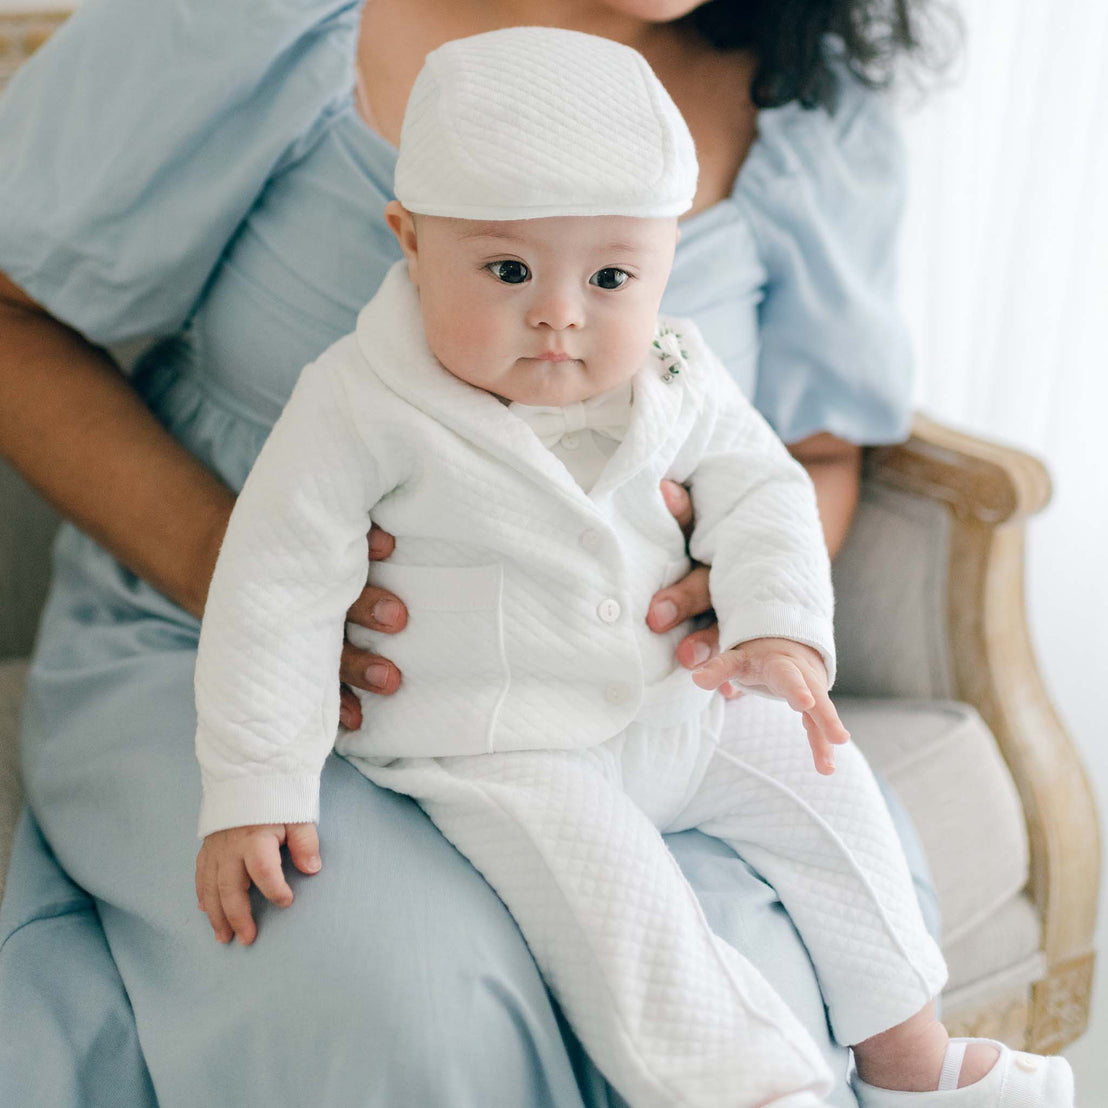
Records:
x=391, y=339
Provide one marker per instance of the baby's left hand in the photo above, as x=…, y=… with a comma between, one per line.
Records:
x=795, y=673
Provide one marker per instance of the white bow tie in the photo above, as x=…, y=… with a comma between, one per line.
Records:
x=607, y=414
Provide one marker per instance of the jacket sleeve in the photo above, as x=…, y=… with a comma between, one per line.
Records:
x=757, y=526
x=294, y=559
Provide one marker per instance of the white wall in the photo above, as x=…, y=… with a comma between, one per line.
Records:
x=1005, y=281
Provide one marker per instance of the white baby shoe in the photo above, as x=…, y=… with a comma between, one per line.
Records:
x=1017, y=1080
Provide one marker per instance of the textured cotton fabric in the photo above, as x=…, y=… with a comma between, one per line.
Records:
x=526, y=597
x=674, y=1015
x=601, y=137
x=197, y=174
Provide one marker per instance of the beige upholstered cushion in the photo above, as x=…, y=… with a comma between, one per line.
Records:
x=891, y=598
x=1002, y=951
x=944, y=765
x=12, y=674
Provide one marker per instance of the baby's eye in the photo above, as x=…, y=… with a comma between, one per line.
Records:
x=610, y=278
x=511, y=273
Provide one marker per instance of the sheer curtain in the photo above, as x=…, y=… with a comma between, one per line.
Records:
x=1005, y=282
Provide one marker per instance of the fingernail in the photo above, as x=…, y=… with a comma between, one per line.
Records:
x=313, y=863
x=665, y=613
x=376, y=674
x=700, y=654
x=386, y=612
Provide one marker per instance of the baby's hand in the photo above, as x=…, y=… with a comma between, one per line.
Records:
x=230, y=860
x=792, y=671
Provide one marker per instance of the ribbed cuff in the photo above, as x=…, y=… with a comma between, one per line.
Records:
x=780, y=621
x=242, y=801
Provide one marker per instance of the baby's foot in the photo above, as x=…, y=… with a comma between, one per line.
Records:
x=980, y=1056
x=981, y=1073
x=909, y=1057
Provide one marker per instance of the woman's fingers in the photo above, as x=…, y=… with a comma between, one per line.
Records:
x=698, y=646
x=681, y=601
x=302, y=840
x=381, y=544
x=350, y=709
x=368, y=671
x=378, y=610
x=679, y=503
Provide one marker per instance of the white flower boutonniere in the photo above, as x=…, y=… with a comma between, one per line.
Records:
x=668, y=349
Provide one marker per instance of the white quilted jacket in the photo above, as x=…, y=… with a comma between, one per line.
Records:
x=526, y=596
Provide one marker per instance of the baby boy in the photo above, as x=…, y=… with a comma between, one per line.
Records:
x=506, y=408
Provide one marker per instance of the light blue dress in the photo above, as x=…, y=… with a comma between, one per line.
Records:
x=194, y=173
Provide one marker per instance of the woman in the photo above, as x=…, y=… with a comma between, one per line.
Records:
x=191, y=182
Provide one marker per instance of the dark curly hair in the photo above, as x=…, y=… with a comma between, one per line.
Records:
x=794, y=41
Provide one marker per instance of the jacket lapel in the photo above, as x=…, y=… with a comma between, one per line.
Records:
x=660, y=399
x=390, y=337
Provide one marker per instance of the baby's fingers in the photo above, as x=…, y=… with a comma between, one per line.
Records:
x=210, y=903
x=234, y=896
x=263, y=864
x=826, y=719
x=302, y=840
x=783, y=678
x=823, y=753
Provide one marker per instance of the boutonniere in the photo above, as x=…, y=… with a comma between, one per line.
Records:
x=668, y=349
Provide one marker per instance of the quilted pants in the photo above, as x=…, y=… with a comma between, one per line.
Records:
x=570, y=840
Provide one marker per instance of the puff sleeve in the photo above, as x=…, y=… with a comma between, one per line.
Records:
x=134, y=142
x=823, y=194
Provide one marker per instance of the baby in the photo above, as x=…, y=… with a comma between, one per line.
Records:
x=506, y=408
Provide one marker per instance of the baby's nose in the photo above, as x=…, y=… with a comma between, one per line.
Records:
x=558, y=310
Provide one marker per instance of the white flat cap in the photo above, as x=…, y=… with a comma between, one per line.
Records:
x=529, y=122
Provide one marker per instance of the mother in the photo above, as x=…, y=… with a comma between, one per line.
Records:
x=205, y=182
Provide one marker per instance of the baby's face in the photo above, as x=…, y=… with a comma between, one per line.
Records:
x=541, y=311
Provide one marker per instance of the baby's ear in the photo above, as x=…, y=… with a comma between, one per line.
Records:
x=402, y=223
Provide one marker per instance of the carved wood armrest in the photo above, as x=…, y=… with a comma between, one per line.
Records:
x=990, y=491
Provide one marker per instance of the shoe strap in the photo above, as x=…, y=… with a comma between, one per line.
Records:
x=952, y=1065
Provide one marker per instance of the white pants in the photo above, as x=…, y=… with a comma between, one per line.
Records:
x=570, y=840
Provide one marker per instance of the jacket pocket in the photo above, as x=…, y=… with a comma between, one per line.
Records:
x=451, y=656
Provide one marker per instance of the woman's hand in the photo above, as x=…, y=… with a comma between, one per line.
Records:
x=687, y=598
x=376, y=610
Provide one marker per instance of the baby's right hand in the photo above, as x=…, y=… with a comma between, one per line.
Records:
x=230, y=860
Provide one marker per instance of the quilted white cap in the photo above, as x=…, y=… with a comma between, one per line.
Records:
x=528, y=122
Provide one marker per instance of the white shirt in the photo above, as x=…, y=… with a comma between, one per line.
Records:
x=583, y=450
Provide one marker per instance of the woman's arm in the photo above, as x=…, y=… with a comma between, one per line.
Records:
x=835, y=467
x=71, y=424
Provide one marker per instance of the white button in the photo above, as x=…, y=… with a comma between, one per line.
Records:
x=608, y=610
x=1027, y=1062
x=591, y=540
x=570, y=441
x=617, y=694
